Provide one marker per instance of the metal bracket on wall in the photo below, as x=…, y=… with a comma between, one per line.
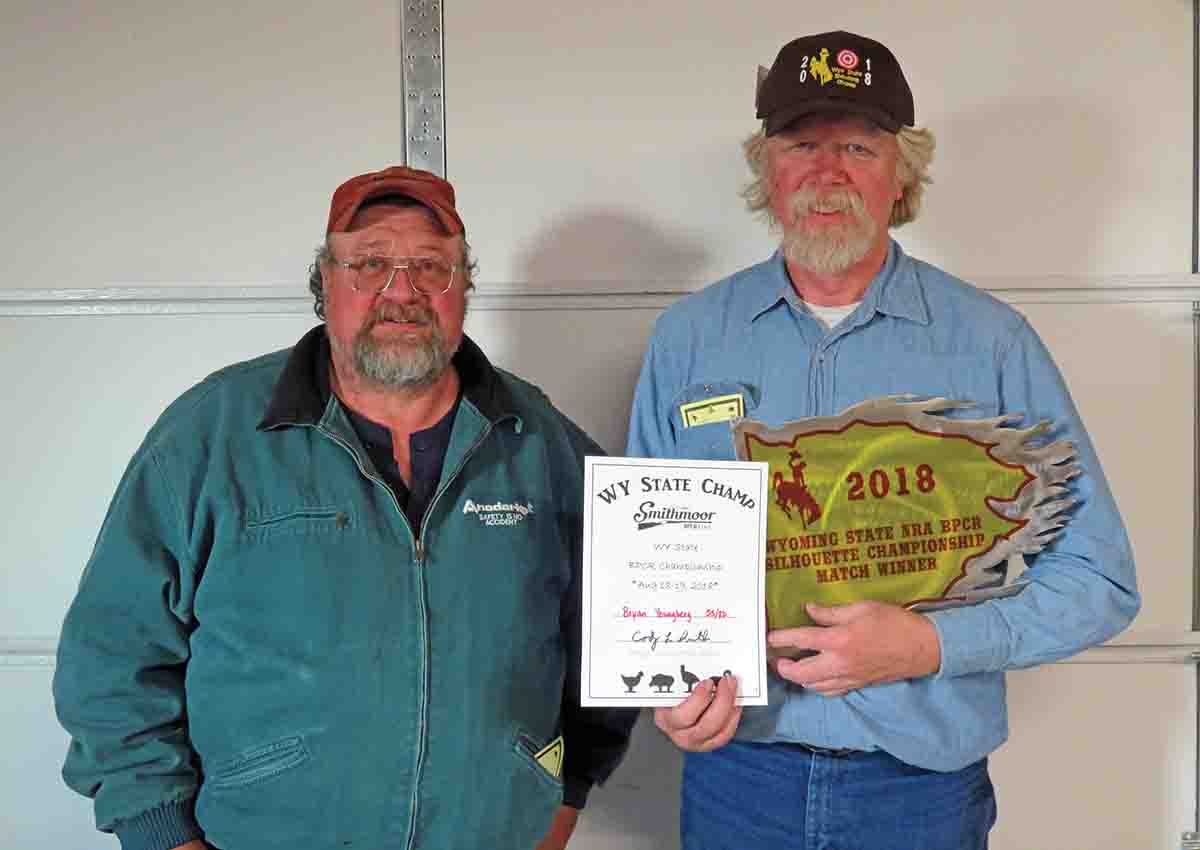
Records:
x=1196, y=396
x=422, y=47
x=1196, y=533
x=1196, y=481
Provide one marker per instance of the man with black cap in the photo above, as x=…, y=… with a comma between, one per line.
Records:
x=335, y=602
x=878, y=735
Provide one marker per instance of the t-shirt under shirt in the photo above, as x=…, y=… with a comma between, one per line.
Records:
x=831, y=316
x=427, y=451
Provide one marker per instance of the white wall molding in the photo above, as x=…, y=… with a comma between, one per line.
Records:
x=24, y=653
x=1144, y=646
x=293, y=299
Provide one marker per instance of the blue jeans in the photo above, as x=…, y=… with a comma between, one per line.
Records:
x=782, y=797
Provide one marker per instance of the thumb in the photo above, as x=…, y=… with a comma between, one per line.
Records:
x=828, y=615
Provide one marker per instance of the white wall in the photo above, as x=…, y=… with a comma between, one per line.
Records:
x=172, y=143
x=596, y=153
x=1063, y=127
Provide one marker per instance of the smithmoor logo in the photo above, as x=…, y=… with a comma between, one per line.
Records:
x=499, y=513
x=649, y=515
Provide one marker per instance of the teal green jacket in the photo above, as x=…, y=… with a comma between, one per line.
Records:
x=262, y=652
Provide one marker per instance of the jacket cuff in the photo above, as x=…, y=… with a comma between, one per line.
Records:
x=575, y=791
x=161, y=828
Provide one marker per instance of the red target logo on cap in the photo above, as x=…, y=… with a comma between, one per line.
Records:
x=848, y=59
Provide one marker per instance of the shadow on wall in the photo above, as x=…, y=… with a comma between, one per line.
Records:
x=1008, y=199
x=603, y=246
x=587, y=358
x=588, y=361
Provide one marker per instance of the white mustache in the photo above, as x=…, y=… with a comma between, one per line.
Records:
x=808, y=199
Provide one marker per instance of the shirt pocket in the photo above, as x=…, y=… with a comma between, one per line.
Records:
x=964, y=377
x=710, y=440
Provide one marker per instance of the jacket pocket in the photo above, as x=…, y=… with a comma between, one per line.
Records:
x=303, y=520
x=527, y=750
x=257, y=764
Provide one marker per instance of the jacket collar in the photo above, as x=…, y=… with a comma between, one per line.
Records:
x=302, y=394
x=895, y=291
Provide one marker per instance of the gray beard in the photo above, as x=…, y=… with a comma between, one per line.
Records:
x=395, y=364
x=829, y=251
x=414, y=366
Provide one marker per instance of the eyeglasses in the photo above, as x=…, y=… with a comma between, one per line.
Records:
x=426, y=275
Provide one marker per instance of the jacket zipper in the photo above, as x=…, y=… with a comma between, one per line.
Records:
x=419, y=561
x=449, y=480
x=369, y=476
x=419, y=554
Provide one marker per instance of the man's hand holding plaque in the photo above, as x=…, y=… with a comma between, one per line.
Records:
x=857, y=645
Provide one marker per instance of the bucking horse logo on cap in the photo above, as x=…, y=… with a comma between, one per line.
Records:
x=820, y=67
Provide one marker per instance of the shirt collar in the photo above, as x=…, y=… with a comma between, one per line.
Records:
x=895, y=291
x=302, y=393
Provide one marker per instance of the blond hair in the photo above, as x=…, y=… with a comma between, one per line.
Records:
x=915, y=147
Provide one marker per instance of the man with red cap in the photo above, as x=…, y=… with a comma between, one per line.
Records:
x=877, y=736
x=335, y=601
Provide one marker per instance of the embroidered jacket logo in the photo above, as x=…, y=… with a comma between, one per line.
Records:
x=499, y=513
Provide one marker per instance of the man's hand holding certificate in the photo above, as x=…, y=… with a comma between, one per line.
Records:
x=673, y=576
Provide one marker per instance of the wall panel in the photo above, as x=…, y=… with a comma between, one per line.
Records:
x=1131, y=370
x=602, y=142
x=176, y=143
x=1100, y=757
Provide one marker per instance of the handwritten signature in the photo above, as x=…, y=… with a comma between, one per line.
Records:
x=653, y=638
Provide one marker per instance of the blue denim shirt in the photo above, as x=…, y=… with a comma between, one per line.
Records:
x=918, y=330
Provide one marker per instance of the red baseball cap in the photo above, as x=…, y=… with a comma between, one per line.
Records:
x=427, y=189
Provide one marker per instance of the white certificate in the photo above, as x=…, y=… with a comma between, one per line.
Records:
x=673, y=579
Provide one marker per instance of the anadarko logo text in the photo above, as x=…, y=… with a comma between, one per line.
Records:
x=499, y=513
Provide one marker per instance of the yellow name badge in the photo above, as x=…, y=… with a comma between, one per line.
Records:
x=722, y=408
x=550, y=757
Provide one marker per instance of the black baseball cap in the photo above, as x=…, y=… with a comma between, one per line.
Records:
x=835, y=72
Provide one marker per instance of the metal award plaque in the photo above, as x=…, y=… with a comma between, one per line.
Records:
x=890, y=502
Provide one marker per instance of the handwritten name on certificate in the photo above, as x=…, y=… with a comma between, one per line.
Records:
x=673, y=579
